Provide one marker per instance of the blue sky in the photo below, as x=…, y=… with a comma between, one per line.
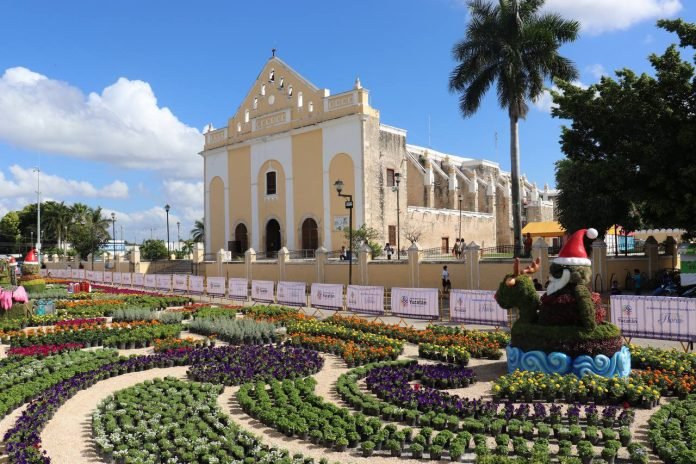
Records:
x=110, y=97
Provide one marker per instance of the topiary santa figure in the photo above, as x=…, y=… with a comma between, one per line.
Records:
x=568, y=300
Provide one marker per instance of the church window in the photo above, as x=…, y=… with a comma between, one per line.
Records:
x=263, y=89
x=246, y=115
x=299, y=100
x=310, y=107
x=271, y=183
x=239, y=127
x=390, y=177
x=256, y=102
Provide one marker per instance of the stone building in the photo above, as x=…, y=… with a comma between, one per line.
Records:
x=270, y=175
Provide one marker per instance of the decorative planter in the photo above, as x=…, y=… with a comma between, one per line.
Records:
x=560, y=363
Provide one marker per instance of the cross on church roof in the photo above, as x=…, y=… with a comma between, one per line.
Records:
x=273, y=50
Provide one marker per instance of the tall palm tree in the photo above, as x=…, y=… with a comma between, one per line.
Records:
x=198, y=231
x=512, y=45
x=58, y=218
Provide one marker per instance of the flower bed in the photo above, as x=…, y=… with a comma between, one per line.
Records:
x=79, y=322
x=171, y=343
x=23, y=439
x=452, y=354
x=42, y=351
x=173, y=421
x=671, y=431
x=235, y=365
x=235, y=331
x=528, y=385
x=353, y=354
x=216, y=311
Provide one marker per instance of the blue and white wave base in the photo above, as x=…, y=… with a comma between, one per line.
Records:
x=560, y=363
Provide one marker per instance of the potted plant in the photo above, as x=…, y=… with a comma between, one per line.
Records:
x=394, y=447
x=638, y=454
x=585, y=451
x=465, y=438
x=625, y=436
x=456, y=451
x=575, y=434
x=543, y=430
x=353, y=439
x=367, y=448
x=565, y=448
x=528, y=430
x=592, y=434
x=416, y=450
x=435, y=452
x=341, y=443
x=609, y=453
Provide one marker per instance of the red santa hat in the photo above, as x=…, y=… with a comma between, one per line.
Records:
x=573, y=252
x=31, y=257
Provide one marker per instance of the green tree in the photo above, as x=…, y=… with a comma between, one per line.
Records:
x=198, y=231
x=9, y=233
x=90, y=233
x=365, y=235
x=57, y=217
x=512, y=45
x=154, y=249
x=636, y=132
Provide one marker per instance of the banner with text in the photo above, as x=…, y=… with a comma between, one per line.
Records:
x=80, y=273
x=476, y=307
x=74, y=274
x=216, y=286
x=327, y=296
x=196, y=284
x=108, y=277
x=292, y=293
x=656, y=317
x=89, y=275
x=365, y=299
x=262, y=290
x=126, y=279
x=138, y=279
x=117, y=278
x=180, y=282
x=237, y=289
x=99, y=276
x=150, y=280
x=416, y=303
x=164, y=281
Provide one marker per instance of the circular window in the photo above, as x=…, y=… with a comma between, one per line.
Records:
x=271, y=99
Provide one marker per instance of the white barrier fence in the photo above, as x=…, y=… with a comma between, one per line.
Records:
x=416, y=303
x=655, y=317
x=476, y=307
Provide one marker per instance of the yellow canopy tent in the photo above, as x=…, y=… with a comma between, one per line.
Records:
x=544, y=229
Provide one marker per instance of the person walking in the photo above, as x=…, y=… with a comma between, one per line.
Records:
x=388, y=250
x=446, y=284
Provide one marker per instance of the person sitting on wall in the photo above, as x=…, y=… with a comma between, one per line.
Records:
x=343, y=255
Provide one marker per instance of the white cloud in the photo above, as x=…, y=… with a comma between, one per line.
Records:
x=598, y=16
x=597, y=70
x=545, y=101
x=186, y=198
x=23, y=183
x=123, y=125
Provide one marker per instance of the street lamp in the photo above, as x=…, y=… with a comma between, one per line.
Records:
x=166, y=208
x=178, y=236
x=38, y=214
x=460, y=197
x=113, y=233
x=397, y=180
x=349, y=205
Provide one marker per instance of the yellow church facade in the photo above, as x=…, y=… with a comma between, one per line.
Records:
x=270, y=174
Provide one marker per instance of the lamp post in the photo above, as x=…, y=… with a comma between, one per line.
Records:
x=178, y=236
x=166, y=208
x=38, y=214
x=113, y=233
x=460, y=198
x=349, y=205
x=397, y=181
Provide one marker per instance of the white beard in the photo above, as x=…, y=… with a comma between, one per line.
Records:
x=557, y=284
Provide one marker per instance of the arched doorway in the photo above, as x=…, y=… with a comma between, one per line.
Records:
x=310, y=235
x=272, y=236
x=241, y=240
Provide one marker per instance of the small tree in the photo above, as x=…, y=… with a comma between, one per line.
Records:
x=154, y=249
x=412, y=231
x=365, y=235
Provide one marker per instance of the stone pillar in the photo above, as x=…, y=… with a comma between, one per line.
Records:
x=198, y=252
x=249, y=260
x=671, y=250
x=54, y=258
x=219, y=259
x=473, y=272
x=599, y=266
x=283, y=258
x=651, y=252
x=321, y=260
x=540, y=249
x=414, y=259
x=134, y=259
x=364, y=257
x=117, y=263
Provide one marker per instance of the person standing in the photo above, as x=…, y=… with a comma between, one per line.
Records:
x=446, y=284
x=528, y=245
x=637, y=281
x=388, y=250
x=343, y=255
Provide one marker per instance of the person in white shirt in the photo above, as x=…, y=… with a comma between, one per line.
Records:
x=446, y=284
